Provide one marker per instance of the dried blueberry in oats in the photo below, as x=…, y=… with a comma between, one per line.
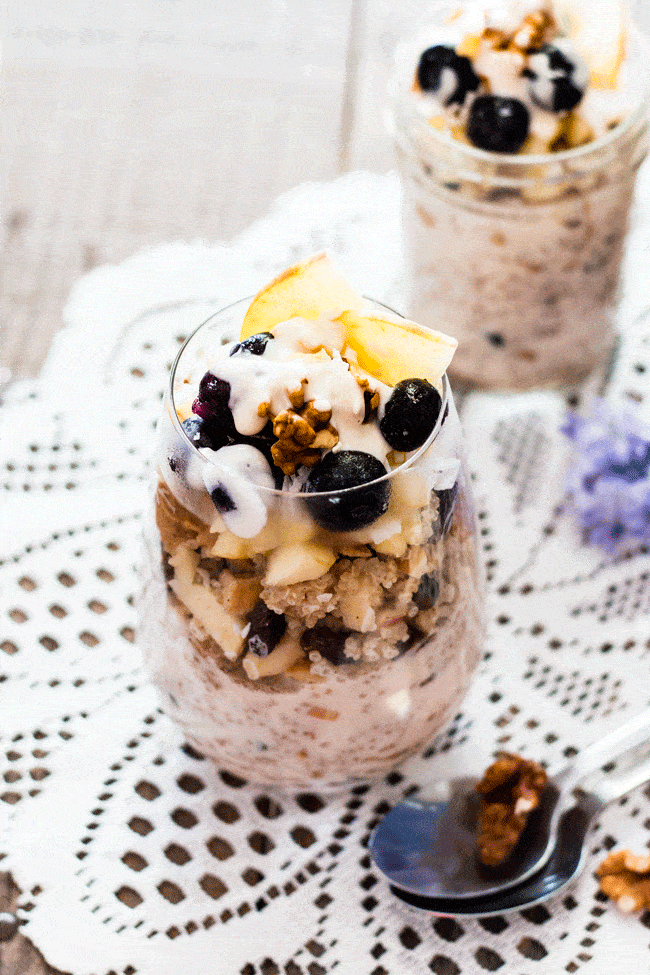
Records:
x=410, y=414
x=427, y=592
x=265, y=631
x=446, y=506
x=557, y=78
x=254, y=344
x=328, y=643
x=447, y=75
x=498, y=124
x=347, y=511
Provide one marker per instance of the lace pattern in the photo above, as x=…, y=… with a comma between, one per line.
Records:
x=134, y=854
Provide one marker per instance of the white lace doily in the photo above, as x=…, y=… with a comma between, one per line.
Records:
x=134, y=855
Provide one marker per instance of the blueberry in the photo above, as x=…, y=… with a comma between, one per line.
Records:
x=410, y=414
x=498, y=124
x=446, y=504
x=427, y=592
x=343, y=512
x=222, y=500
x=557, y=78
x=195, y=431
x=447, y=74
x=265, y=631
x=211, y=405
x=254, y=344
x=329, y=643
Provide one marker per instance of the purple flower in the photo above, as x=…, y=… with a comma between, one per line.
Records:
x=608, y=480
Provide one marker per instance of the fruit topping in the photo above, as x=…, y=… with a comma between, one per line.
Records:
x=392, y=349
x=306, y=290
x=598, y=34
x=326, y=642
x=557, y=77
x=266, y=628
x=254, y=344
x=447, y=74
x=498, y=124
x=446, y=505
x=212, y=406
x=343, y=510
x=410, y=414
x=427, y=592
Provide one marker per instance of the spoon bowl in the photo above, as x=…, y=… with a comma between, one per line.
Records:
x=439, y=859
x=427, y=847
x=563, y=866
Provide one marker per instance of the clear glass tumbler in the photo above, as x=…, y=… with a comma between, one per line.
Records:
x=374, y=631
x=517, y=256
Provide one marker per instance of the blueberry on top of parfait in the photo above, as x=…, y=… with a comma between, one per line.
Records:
x=558, y=77
x=254, y=344
x=410, y=414
x=498, y=124
x=447, y=75
x=337, y=509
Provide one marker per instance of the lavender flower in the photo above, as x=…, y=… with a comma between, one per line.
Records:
x=608, y=481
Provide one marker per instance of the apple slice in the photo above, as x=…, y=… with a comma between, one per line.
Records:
x=395, y=349
x=306, y=290
x=599, y=34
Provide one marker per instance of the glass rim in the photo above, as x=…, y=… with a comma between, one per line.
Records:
x=403, y=109
x=279, y=492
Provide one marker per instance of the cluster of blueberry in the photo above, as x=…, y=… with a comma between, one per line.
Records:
x=408, y=419
x=556, y=78
x=266, y=628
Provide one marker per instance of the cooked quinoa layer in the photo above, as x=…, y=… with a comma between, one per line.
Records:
x=405, y=650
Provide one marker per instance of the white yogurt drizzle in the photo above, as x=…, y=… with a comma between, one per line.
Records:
x=502, y=71
x=297, y=354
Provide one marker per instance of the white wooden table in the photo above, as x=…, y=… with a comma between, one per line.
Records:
x=129, y=124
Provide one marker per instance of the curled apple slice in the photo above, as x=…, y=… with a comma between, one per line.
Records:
x=599, y=34
x=392, y=349
x=306, y=290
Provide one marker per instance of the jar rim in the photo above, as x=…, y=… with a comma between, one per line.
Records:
x=407, y=465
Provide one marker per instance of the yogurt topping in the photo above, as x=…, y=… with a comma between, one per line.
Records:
x=293, y=410
x=515, y=78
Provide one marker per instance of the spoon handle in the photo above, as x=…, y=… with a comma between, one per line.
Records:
x=605, y=789
x=633, y=734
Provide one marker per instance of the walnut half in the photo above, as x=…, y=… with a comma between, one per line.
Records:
x=510, y=789
x=625, y=878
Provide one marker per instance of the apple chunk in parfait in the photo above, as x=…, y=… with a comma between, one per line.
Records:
x=311, y=608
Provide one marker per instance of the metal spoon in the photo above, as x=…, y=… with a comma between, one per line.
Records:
x=426, y=847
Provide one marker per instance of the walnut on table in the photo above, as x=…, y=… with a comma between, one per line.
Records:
x=625, y=878
x=510, y=790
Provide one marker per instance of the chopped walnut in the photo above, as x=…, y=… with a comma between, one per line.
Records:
x=533, y=31
x=625, y=878
x=510, y=789
x=302, y=432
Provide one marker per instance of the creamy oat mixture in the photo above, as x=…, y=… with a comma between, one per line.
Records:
x=317, y=611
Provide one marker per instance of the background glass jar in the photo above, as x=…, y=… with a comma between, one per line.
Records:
x=294, y=647
x=517, y=256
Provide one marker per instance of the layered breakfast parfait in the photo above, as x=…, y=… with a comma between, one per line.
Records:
x=311, y=608
x=520, y=126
